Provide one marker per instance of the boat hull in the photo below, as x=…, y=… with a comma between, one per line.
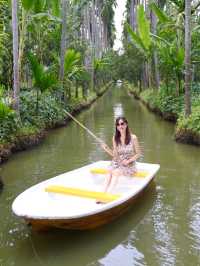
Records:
x=90, y=221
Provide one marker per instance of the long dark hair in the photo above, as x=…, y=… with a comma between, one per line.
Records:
x=118, y=134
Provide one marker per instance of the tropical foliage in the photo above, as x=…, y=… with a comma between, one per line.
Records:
x=161, y=50
x=43, y=37
x=55, y=54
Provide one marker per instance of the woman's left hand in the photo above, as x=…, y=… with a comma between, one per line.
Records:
x=125, y=162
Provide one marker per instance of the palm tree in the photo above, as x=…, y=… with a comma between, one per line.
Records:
x=72, y=67
x=15, y=55
x=44, y=79
x=30, y=9
x=187, y=57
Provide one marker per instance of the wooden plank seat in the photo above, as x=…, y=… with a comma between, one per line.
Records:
x=105, y=197
x=106, y=171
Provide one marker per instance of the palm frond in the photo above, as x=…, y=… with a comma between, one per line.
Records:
x=72, y=58
x=143, y=27
x=136, y=39
x=163, y=18
x=44, y=79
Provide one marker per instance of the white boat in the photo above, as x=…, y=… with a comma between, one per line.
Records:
x=70, y=200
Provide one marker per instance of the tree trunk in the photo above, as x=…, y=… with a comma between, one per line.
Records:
x=93, y=45
x=155, y=55
x=22, y=35
x=156, y=69
x=16, y=87
x=149, y=73
x=76, y=89
x=133, y=14
x=144, y=76
x=187, y=57
x=105, y=35
x=87, y=60
x=63, y=40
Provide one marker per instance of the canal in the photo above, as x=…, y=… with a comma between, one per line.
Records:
x=161, y=229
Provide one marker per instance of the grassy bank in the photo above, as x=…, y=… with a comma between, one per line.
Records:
x=171, y=107
x=35, y=121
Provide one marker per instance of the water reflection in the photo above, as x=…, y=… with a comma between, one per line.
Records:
x=128, y=252
x=123, y=255
x=118, y=110
x=195, y=224
x=57, y=247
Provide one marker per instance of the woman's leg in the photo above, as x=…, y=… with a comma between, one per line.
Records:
x=107, y=181
x=114, y=177
x=111, y=181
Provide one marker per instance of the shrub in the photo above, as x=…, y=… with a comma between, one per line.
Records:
x=150, y=96
x=170, y=104
x=50, y=110
x=9, y=122
x=166, y=103
x=192, y=122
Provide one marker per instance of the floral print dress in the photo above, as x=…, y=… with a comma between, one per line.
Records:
x=124, y=152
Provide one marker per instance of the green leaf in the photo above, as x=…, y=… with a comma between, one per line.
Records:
x=160, y=39
x=143, y=27
x=27, y=4
x=37, y=68
x=44, y=79
x=72, y=58
x=196, y=28
x=180, y=4
x=180, y=56
x=56, y=7
x=47, y=16
x=39, y=5
x=136, y=39
x=159, y=13
x=4, y=110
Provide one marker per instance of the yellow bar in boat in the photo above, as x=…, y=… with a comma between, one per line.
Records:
x=105, y=171
x=105, y=197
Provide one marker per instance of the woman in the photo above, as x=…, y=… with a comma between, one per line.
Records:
x=126, y=151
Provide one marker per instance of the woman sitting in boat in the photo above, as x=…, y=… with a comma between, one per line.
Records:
x=126, y=151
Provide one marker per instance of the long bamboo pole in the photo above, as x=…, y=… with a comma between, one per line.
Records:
x=84, y=127
x=104, y=146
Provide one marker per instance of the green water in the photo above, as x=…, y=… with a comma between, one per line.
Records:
x=163, y=228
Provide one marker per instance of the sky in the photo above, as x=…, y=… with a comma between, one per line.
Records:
x=118, y=23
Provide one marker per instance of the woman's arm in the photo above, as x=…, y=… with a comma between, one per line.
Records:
x=137, y=149
x=115, y=154
x=107, y=149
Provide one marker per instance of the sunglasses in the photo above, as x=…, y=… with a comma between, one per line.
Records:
x=121, y=124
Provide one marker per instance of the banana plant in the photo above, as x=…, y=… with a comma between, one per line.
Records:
x=142, y=40
x=171, y=38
